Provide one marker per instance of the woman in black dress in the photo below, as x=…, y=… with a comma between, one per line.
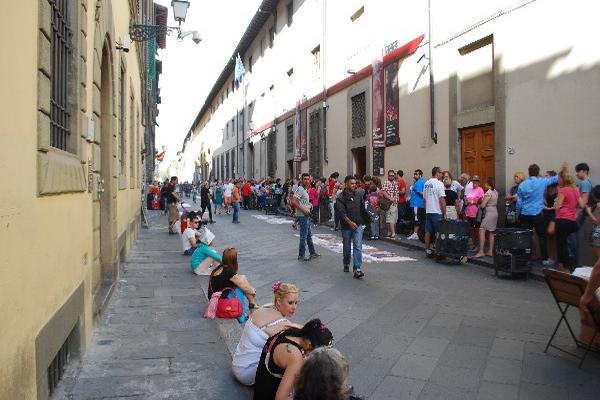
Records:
x=283, y=356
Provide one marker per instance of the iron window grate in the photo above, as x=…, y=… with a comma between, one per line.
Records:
x=289, y=139
x=61, y=52
x=359, y=116
x=58, y=365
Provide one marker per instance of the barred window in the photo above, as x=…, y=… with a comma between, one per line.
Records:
x=61, y=53
x=132, y=142
x=122, y=121
x=272, y=154
x=359, y=115
x=289, y=139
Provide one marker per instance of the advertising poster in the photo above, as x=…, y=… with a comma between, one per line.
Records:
x=297, y=138
x=303, y=136
x=392, y=134
x=378, y=161
x=378, y=133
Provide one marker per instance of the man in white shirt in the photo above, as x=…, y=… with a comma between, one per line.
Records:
x=227, y=191
x=189, y=237
x=435, y=206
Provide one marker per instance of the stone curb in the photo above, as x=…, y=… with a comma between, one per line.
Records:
x=229, y=329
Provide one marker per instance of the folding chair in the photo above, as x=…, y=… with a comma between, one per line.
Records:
x=567, y=290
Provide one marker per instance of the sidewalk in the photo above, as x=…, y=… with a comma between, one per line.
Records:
x=153, y=342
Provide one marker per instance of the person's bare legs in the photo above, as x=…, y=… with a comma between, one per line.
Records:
x=481, y=251
x=491, y=249
x=204, y=265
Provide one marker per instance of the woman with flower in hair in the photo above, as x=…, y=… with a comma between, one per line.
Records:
x=265, y=322
x=282, y=358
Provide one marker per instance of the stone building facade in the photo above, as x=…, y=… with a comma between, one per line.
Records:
x=74, y=121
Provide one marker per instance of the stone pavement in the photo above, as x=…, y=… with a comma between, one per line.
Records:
x=411, y=329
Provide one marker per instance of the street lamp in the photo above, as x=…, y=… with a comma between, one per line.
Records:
x=180, y=10
x=143, y=32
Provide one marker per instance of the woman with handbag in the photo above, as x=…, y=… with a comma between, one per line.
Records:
x=265, y=322
x=471, y=205
x=282, y=358
x=226, y=276
x=490, y=218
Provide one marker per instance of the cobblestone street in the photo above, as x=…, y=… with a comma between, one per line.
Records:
x=412, y=328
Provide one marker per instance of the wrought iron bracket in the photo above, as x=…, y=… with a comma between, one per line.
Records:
x=141, y=33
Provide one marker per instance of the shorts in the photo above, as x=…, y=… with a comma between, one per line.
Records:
x=189, y=251
x=431, y=223
x=536, y=222
x=228, y=200
x=391, y=215
x=595, y=237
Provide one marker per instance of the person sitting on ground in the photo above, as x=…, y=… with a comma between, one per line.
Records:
x=226, y=276
x=265, y=322
x=282, y=358
x=204, y=256
x=189, y=237
x=324, y=376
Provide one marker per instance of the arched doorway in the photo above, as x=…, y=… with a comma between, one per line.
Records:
x=104, y=203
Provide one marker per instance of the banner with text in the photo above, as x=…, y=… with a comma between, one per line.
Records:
x=392, y=134
x=378, y=133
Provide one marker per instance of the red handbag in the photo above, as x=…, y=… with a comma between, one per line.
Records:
x=229, y=307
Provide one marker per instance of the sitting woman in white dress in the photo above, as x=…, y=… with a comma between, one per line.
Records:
x=265, y=322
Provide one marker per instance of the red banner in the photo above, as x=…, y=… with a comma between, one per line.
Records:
x=378, y=133
x=392, y=93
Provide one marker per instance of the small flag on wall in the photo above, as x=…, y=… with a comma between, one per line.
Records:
x=239, y=71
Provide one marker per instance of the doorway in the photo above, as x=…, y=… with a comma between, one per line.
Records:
x=104, y=271
x=477, y=151
x=359, y=156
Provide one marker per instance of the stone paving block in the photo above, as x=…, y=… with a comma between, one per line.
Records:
x=473, y=357
x=430, y=347
x=505, y=348
x=368, y=374
x=392, y=346
x=474, y=336
x=434, y=391
x=446, y=320
x=123, y=368
x=414, y=366
x=438, y=332
x=529, y=391
x=464, y=378
x=393, y=388
x=98, y=387
x=502, y=370
x=497, y=391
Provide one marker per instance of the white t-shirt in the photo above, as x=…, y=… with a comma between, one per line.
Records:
x=228, y=189
x=185, y=238
x=433, y=190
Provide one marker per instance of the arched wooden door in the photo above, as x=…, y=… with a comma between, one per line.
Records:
x=478, y=151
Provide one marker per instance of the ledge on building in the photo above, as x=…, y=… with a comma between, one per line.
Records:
x=60, y=172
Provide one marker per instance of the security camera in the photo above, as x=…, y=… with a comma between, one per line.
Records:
x=125, y=44
x=196, y=37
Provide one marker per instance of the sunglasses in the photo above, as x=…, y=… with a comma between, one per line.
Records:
x=196, y=222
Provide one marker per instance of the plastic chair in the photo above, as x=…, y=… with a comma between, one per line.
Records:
x=567, y=290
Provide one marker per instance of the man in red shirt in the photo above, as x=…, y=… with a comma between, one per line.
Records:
x=333, y=180
x=402, y=205
x=246, y=193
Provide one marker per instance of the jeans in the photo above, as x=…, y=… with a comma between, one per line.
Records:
x=354, y=237
x=536, y=222
x=305, y=237
x=236, y=210
x=573, y=246
x=315, y=215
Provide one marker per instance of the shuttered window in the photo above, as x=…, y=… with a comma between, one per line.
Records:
x=359, y=115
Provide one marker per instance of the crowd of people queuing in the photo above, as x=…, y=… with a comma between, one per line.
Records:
x=283, y=359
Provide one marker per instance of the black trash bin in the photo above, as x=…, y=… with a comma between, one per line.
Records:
x=452, y=239
x=271, y=204
x=512, y=251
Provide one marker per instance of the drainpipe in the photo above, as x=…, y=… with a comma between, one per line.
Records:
x=431, y=81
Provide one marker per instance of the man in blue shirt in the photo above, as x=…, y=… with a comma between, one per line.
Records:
x=530, y=204
x=417, y=203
